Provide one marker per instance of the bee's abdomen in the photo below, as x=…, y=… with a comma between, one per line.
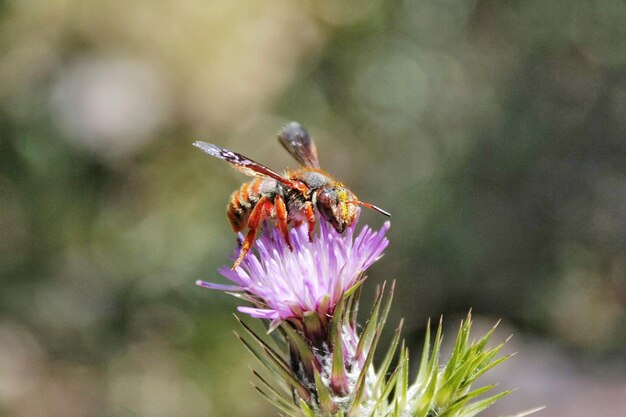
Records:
x=243, y=201
x=237, y=215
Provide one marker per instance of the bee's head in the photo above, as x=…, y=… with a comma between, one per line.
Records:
x=337, y=206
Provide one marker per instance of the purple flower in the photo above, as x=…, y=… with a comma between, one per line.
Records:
x=284, y=284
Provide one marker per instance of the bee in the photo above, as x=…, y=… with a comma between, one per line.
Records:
x=293, y=197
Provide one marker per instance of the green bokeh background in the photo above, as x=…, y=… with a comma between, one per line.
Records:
x=494, y=131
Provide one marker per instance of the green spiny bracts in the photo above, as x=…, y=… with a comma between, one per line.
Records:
x=322, y=364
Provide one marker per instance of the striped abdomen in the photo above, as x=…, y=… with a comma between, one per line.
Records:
x=243, y=200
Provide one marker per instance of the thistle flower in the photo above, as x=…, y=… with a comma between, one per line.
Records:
x=310, y=296
x=286, y=284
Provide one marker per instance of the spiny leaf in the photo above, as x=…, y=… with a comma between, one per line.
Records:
x=403, y=379
x=488, y=358
x=271, y=387
x=323, y=395
x=391, y=351
x=396, y=410
x=383, y=318
x=272, y=361
x=457, y=352
x=304, y=350
x=461, y=378
x=352, y=303
x=384, y=394
x=361, y=380
x=387, y=308
x=483, y=340
x=353, y=290
x=453, y=408
x=474, y=365
x=434, y=358
x=337, y=321
x=475, y=408
x=304, y=407
x=491, y=365
x=338, y=378
x=313, y=328
x=529, y=412
x=370, y=325
x=277, y=369
x=278, y=402
x=323, y=306
x=261, y=342
x=421, y=375
x=359, y=387
x=426, y=401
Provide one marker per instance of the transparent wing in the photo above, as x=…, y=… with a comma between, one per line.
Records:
x=299, y=144
x=242, y=163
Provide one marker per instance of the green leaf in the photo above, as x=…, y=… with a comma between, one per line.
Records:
x=423, y=367
x=384, y=394
x=272, y=361
x=277, y=369
x=261, y=343
x=359, y=388
x=426, y=401
x=434, y=358
x=305, y=408
x=528, y=412
x=391, y=351
x=313, y=327
x=453, y=408
x=402, y=386
x=278, y=403
x=479, y=406
x=323, y=306
x=304, y=350
x=370, y=325
x=353, y=295
x=338, y=379
x=490, y=365
x=323, y=395
x=273, y=388
x=482, y=343
x=457, y=352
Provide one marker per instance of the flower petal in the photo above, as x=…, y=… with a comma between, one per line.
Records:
x=289, y=284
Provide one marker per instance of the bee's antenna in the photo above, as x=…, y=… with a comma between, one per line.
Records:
x=373, y=207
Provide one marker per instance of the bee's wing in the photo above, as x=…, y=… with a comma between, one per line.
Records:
x=242, y=163
x=299, y=144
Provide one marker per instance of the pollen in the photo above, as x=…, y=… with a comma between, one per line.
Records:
x=342, y=196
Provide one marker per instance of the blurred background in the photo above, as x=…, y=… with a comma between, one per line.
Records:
x=494, y=131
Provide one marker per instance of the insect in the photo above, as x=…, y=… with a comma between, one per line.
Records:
x=292, y=197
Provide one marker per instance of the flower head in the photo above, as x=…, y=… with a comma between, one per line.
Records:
x=286, y=284
x=310, y=295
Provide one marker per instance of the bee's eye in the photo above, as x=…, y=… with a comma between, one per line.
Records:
x=326, y=200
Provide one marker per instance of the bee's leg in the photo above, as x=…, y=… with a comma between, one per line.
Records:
x=256, y=217
x=310, y=218
x=281, y=213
